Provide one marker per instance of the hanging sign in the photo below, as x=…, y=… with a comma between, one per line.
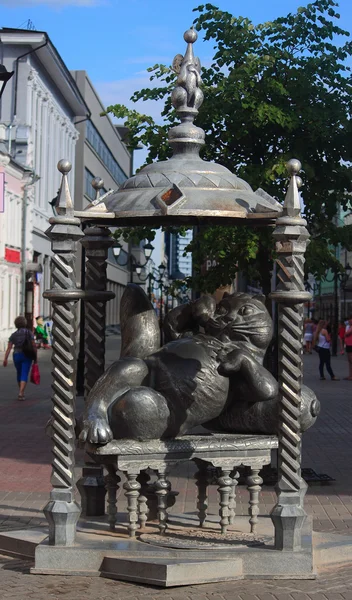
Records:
x=12, y=255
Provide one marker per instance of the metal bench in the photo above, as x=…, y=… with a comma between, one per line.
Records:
x=226, y=452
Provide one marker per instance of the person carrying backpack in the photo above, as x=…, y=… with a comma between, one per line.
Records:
x=24, y=353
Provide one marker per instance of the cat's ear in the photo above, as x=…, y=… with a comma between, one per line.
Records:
x=260, y=297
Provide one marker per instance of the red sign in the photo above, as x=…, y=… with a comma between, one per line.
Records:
x=12, y=256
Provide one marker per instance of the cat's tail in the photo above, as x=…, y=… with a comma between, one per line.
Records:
x=140, y=333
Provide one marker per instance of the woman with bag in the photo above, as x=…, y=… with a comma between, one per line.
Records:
x=348, y=342
x=322, y=342
x=24, y=353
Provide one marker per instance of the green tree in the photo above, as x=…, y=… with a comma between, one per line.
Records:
x=273, y=91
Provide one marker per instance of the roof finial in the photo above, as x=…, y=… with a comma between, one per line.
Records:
x=292, y=204
x=187, y=97
x=97, y=184
x=64, y=204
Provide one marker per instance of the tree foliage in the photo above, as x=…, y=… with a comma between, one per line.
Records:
x=273, y=91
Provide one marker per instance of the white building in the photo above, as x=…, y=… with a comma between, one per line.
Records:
x=14, y=187
x=38, y=111
x=101, y=152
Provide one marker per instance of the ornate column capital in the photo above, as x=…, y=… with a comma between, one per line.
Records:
x=292, y=238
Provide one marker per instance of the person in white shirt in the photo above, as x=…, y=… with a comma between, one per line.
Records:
x=322, y=341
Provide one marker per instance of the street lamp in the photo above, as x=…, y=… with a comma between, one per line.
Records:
x=344, y=279
x=150, y=277
x=134, y=265
x=161, y=269
x=5, y=76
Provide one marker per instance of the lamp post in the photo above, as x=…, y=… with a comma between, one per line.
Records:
x=344, y=279
x=134, y=265
x=150, y=277
x=160, y=281
x=5, y=76
x=33, y=178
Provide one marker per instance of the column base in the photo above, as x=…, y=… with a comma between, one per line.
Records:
x=62, y=516
x=288, y=517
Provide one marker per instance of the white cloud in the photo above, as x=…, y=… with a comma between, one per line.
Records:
x=121, y=90
x=51, y=3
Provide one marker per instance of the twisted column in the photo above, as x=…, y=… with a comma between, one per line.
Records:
x=62, y=512
x=96, y=243
x=291, y=237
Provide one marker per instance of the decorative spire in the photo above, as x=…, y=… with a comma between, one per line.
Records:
x=64, y=204
x=292, y=204
x=187, y=97
x=97, y=184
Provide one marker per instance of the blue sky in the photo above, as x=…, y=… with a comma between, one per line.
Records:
x=115, y=40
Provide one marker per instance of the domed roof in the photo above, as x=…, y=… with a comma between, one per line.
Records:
x=185, y=187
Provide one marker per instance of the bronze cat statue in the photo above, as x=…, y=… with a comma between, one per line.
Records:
x=213, y=378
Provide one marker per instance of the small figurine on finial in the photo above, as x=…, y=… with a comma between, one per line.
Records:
x=187, y=96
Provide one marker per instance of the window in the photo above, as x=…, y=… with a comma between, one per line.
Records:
x=97, y=142
x=88, y=189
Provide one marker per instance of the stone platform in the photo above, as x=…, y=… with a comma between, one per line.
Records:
x=238, y=555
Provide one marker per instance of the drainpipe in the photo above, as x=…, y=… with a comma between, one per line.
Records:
x=16, y=72
x=33, y=180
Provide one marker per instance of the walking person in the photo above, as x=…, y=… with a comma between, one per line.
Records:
x=341, y=335
x=348, y=342
x=322, y=341
x=308, y=335
x=24, y=353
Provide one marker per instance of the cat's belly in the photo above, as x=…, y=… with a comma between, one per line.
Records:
x=185, y=373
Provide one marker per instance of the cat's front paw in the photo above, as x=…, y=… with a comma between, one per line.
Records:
x=96, y=432
x=231, y=363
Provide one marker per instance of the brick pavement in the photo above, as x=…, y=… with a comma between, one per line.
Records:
x=16, y=583
x=25, y=470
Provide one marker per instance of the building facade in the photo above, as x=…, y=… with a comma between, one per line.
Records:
x=15, y=190
x=37, y=127
x=333, y=296
x=175, y=245
x=101, y=152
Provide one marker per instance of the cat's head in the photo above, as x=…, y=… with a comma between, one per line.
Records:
x=241, y=318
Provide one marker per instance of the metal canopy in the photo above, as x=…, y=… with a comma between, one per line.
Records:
x=185, y=188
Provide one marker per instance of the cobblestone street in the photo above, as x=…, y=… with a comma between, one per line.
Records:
x=24, y=487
